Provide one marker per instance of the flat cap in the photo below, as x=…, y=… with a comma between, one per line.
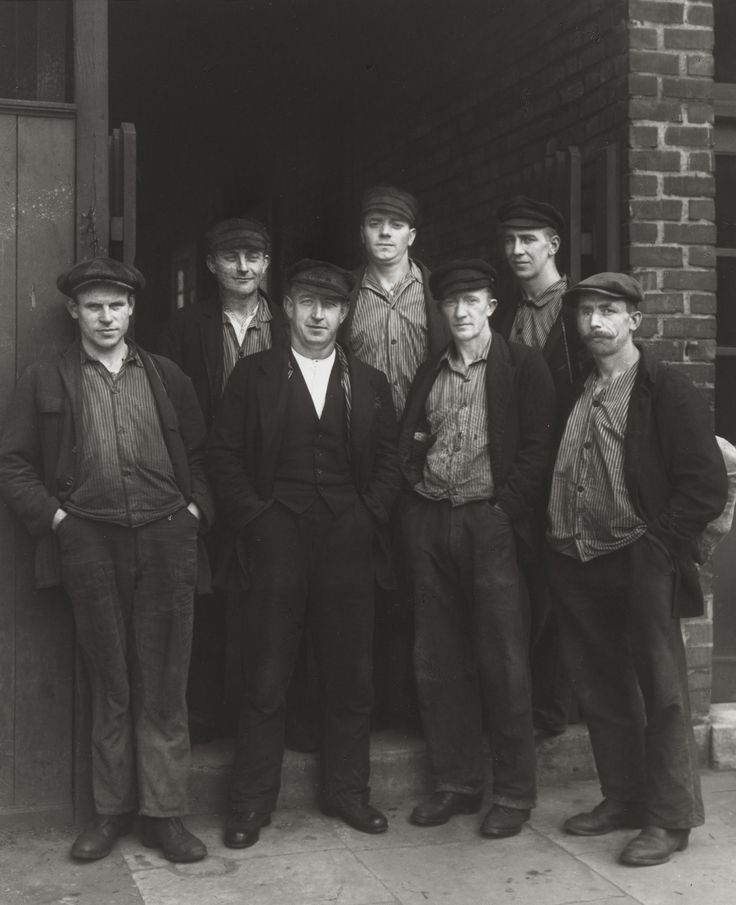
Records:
x=392, y=199
x=238, y=232
x=327, y=279
x=462, y=276
x=100, y=270
x=522, y=212
x=615, y=285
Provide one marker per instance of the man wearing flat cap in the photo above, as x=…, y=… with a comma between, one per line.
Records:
x=637, y=477
x=206, y=339
x=531, y=233
x=102, y=458
x=303, y=462
x=474, y=448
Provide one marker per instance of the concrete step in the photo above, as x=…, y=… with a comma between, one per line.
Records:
x=398, y=769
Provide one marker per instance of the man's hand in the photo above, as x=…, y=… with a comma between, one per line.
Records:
x=58, y=518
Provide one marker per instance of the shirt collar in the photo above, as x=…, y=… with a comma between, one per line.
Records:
x=262, y=313
x=547, y=295
x=132, y=357
x=414, y=274
x=451, y=358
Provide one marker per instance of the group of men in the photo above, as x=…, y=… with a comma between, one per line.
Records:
x=534, y=480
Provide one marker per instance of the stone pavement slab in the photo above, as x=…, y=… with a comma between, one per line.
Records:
x=305, y=858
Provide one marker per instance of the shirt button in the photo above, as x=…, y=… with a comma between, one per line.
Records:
x=587, y=444
x=580, y=488
x=596, y=403
x=393, y=342
x=578, y=535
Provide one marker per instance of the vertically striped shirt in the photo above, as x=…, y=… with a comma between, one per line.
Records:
x=125, y=473
x=590, y=512
x=535, y=317
x=257, y=338
x=458, y=463
x=390, y=332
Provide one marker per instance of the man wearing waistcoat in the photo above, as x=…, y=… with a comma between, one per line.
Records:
x=102, y=458
x=474, y=448
x=637, y=477
x=206, y=339
x=303, y=462
x=531, y=233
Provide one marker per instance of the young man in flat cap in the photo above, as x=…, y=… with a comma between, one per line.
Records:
x=474, y=450
x=638, y=476
x=531, y=232
x=102, y=458
x=206, y=339
x=393, y=325
x=303, y=461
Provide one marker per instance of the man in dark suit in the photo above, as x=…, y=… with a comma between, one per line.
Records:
x=206, y=339
x=474, y=450
x=303, y=461
x=531, y=232
x=102, y=458
x=637, y=477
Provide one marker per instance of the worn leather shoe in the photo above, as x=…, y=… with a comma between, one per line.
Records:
x=502, y=821
x=654, y=845
x=173, y=838
x=605, y=818
x=244, y=827
x=358, y=814
x=438, y=807
x=98, y=837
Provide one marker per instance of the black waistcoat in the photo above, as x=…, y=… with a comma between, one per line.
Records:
x=313, y=459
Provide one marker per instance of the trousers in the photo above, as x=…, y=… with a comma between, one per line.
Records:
x=471, y=647
x=626, y=660
x=132, y=592
x=310, y=571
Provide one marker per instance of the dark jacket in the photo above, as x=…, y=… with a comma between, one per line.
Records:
x=563, y=351
x=39, y=444
x=438, y=334
x=192, y=337
x=521, y=404
x=673, y=469
x=244, y=444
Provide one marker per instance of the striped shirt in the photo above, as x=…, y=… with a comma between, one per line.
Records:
x=390, y=332
x=590, y=512
x=535, y=317
x=125, y=473
x=458, y=464
x=257, y=338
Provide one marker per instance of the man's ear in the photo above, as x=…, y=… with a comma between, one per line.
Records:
x=412, y=236
x=73, y=308
x=555, y=243
x=210, y=261
x=636, y=319
x=267, y=261
x=492, y=305
x=344, y=308
x=288, y=305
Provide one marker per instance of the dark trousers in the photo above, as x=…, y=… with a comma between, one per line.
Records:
x=626, y=660
x=131, y=591
x=309, y=571
x=472, y=637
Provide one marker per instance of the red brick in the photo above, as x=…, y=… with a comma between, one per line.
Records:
x=642, y=38
x=642, y=233
x=655, y=110
x=647, y=279
x=659, y=161
x=655, y=256
x=700, y=113
x=703, y=303
x=652, y=61
x=688, y=38
x=690, y=233
x=643, y=85
x=656, y=210
x=689, y=136
x=648, y=328
x=685, y=87
x=698, y=280
x=689, y=328
x=666, y=350
x=698, y=631
x=644, y=137
x=699, y=657
x=651, y=11
x=699, y=15
x=664, y=303
x=701, y=350
x=701, y=256
x=700, y=64
x=646, y=186
x=689, y=186
x=700, y=162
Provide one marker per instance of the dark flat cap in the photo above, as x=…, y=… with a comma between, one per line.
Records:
x=522, y=212
x=614, y=285
x=462, y=276
x=100, y=270
x=394, y=200
x=238, y=232
x=327, y=279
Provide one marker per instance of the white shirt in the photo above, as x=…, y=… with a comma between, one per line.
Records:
x=240, y=327
x=316, y=373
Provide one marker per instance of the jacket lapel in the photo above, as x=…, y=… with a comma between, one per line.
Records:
x=210, y=335
x=498, y=392
x=272, y=393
